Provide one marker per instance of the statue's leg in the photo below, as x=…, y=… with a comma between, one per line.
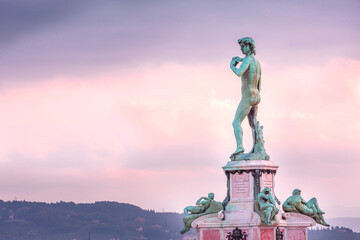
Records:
x=314, y=202
x=187, y=226
x=193, y=209
x=241, y=112
x=186, y=211
x=323, y=220
x=268, y=215
x=252, y=122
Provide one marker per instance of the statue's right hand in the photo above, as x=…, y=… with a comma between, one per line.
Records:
x=233, y=62
x=237, y=58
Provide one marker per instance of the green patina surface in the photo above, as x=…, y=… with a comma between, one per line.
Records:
x=250, y=73
x=310, y=208
x=204, y=206
x=265, y=206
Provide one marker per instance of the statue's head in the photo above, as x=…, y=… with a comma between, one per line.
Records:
x=248, y=41
x=266, y=190
x=296, y=192
x=211, y=196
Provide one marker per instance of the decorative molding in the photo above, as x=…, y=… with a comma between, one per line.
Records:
x=227, y=198
x=256, y=174
x=239, y=171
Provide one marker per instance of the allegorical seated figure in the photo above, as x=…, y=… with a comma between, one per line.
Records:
x=205, y=205
x=311, y=208
x=202, y=204
x=265, y=206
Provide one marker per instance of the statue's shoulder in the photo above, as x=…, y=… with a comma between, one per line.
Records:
x=289, y=200
x=252, y=60
x=298, y=197
x=247, y=58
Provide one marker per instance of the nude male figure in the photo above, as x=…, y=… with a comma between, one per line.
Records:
x=202, y=205
x=205, y=205
x=311, y=208
x=250, y=73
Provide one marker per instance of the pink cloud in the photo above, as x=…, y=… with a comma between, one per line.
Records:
x=164, y=129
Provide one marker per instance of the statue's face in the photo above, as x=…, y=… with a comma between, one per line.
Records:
x=267, y=190
x=245, y=49
x=211, y=196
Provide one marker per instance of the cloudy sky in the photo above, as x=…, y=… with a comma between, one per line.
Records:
x=132, y=101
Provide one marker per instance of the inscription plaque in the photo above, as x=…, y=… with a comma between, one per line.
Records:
x=267, y=180
x=241, y=185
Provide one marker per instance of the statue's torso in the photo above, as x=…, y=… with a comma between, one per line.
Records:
x=250, y=80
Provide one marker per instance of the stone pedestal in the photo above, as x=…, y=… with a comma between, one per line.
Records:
x=245, y=179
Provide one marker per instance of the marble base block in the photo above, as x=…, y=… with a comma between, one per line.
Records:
x=294, y=227
x=245, y=180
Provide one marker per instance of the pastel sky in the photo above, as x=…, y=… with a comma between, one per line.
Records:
x=132, y=101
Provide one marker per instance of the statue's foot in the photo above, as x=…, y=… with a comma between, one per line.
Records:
x=325, y=224
x=321, y=212
x=253, y=149
x=238, y=150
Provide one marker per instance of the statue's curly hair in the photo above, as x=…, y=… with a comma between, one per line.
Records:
x=248, y=41
x=296, y=191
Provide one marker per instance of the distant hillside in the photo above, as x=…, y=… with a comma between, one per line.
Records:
x=21, y=220
x=352, y=223
x=333, y=233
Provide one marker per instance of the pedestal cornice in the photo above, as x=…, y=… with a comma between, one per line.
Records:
x=248, y=165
